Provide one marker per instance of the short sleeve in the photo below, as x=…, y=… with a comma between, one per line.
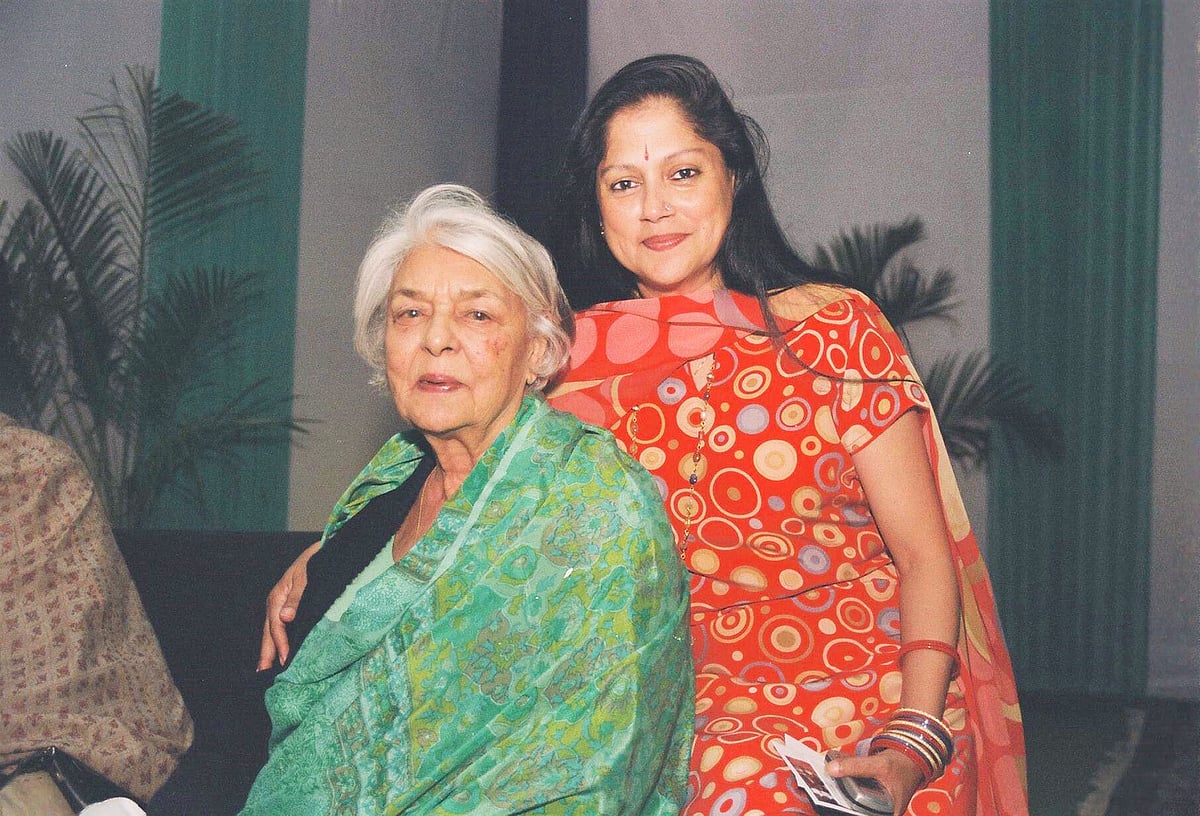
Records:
x=872, y=382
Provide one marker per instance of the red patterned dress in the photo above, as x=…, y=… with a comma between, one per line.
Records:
x=794, y=597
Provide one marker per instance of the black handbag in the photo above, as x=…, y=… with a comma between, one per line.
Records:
x=79, y=784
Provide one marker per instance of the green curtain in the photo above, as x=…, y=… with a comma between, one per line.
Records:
x=247, y=59
x=1075, y=98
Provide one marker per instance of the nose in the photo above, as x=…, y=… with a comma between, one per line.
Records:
x=656, y=203
x=440, y=333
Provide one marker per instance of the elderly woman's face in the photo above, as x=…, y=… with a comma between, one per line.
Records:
x=459, y=354
x=666, y=198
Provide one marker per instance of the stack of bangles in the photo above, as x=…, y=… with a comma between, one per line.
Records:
x=921, y=737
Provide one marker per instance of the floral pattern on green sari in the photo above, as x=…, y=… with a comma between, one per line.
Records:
x=529, y=655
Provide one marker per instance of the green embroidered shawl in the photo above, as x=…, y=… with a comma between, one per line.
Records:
x=529, y=655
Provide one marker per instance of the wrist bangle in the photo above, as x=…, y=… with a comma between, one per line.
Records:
x=929, y=739
x=932, y=645
x=927, y=721
x=889, y=742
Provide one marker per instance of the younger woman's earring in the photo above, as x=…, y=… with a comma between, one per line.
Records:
x=601, y=227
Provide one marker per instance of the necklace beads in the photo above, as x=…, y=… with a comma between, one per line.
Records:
x=691, y=506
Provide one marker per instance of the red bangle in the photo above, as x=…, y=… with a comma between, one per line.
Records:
x=882, y=742
x=932, y=645
x=925, y=736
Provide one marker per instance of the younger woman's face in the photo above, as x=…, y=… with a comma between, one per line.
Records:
x=666, y=198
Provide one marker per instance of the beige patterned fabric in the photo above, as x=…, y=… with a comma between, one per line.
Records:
x=80, y=667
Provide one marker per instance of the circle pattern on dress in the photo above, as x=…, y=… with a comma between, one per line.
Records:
x=794, y=598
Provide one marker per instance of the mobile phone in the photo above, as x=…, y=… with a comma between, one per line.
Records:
x=863, y=791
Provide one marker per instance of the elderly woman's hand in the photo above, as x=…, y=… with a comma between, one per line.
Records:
x=282, y=601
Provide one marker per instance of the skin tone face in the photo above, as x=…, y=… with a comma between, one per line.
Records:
x=665, y=199
x=459, y=354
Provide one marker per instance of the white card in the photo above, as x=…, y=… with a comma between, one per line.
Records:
x=808, y=766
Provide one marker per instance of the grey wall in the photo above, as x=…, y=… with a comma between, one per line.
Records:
x=54, y=57
x=1175, y=556
x=400, y=96
x=874, y=111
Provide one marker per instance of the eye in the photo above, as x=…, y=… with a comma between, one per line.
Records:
x=622, y=185
x=479, y=315
x=399, y=315
x=685, y=173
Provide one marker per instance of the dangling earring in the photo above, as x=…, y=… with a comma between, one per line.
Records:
x=601, y=229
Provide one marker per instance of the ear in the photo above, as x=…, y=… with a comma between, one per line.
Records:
x=537, y=352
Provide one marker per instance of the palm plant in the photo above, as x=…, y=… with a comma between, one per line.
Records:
x=93, y=348
x=977, y=400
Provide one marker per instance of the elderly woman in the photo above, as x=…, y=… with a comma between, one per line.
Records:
x=502, y=614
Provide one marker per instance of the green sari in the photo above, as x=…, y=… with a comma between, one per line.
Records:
x=528, y=655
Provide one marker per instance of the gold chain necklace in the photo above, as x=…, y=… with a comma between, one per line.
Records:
x=692, y=507
x=420, y=506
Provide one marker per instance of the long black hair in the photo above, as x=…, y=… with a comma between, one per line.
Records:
x=754, y=258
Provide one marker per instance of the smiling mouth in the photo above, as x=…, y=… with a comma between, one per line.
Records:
x=661, y=243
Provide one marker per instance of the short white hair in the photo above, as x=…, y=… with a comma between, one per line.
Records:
x=457, y=218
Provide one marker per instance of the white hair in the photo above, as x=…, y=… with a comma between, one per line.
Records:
x=457, y=218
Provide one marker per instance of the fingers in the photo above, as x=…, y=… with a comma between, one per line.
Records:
x=851, y=765
x=275, y=627
x=266, y=649
x=295, y=591
x=899, y=776
x=282, y=602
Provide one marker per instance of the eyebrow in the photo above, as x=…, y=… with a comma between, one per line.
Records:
x=468, y=294
x=627, y=166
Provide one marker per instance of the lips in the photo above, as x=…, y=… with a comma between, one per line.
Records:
x=661, y=243
x=438, y=382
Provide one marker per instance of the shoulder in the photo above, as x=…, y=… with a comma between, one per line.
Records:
x=813, y=305
x=802, y=302
x=592, y=465
x=23, y=450
x=584, y=446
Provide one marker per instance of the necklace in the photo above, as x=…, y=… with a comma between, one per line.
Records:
x=691, y=506
x=399, y=547
x=421, y=506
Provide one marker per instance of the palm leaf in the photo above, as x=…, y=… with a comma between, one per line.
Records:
x=978, y=400
x=126, y=375
x=44, y=346
x=117, y=135
x=16, y=380
x=175, y=452
x=189, y=328
x=872, y=260
x=189, y=331
x=201, y=168
x=907, y=294
x=79, y=256
x=178, y=165
x=73, y=197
